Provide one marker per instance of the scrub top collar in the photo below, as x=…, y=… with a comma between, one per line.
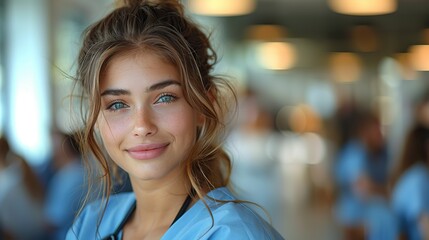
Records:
x=117, y=234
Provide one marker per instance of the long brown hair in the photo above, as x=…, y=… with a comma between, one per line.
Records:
x=160, y=27
x=415, y=150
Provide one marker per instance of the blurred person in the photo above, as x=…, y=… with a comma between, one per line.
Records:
x=154, y=109
x=361, y=173
x=66, y=188
x=21, y=197
x=410, y=193
x=256, y=174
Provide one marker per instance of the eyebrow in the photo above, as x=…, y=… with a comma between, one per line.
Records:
x=162, y=85
x=157, y=86
x=115, y=92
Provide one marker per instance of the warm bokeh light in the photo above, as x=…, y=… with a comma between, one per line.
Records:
x=420, y=57
x=363, y=7
x=276, y=55
x=222, y=7
x=303, y=118
x=345, y=66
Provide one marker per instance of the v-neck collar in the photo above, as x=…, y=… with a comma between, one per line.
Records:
x=118, y=230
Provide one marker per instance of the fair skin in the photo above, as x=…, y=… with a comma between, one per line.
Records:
x=148, y=128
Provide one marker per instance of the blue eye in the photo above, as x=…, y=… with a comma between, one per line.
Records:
x=167, y=98
x=117, y=106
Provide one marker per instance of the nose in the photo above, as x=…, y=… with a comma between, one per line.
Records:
x=143, y=123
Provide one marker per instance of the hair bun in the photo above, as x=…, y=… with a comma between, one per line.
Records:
x=128, y=3
x=171, y=4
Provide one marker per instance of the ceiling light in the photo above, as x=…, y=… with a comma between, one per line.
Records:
x=420, y=57
x=276, y=55
x=363, y=7
x=222, y=7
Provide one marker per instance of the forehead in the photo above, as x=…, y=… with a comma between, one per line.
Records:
x=140, y=54
x=137, y=66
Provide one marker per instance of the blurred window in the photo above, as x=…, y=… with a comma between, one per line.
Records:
x=2, y=102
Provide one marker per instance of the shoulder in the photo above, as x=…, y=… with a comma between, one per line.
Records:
x=225, y=207
x=229, y=220
x=413, y=182
x=416, y=176
x=107, y=219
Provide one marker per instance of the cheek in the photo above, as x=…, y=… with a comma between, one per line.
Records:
x=182, y=123
x=111, y=131
x=188, y=127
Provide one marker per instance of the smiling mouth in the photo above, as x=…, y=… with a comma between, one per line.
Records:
x=147, y=151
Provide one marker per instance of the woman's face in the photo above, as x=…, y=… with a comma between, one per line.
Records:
x=145, y=123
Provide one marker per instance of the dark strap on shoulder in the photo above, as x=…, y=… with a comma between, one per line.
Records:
x=183, y=209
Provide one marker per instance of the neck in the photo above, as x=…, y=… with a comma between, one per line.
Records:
x=156, y=207
x=159, y=200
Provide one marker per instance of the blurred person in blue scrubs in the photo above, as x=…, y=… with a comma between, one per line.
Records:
x=21, y=197
x=154, y=109
x=66, y=188
x=410, y=195
x=361, y=175
x=410, y=182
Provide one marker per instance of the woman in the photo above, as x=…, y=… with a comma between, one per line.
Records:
x=410, y=197
x=145, y=72
x=21, y=197
x=361, y=174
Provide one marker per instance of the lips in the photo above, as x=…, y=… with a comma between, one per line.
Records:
x=147, y=151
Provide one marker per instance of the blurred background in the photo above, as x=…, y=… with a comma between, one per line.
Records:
x=309, y=74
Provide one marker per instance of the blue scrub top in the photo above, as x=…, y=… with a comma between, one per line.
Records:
x=411, y=198
x=350, y=165
x=351, y=209
x=231, y=220
x=354, y=162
